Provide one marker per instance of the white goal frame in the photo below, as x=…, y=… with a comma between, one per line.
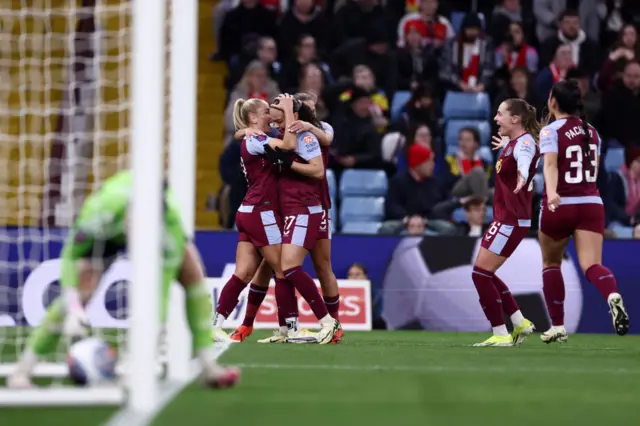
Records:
x=140, y=387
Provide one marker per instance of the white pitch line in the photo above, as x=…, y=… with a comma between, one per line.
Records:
x=168, y=391
x=441, y=369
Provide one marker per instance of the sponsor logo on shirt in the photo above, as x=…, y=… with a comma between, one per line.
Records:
x=307, y=139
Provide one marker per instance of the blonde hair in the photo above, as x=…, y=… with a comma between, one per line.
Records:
x=241, y=110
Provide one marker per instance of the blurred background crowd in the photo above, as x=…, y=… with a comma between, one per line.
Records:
x=411, y=86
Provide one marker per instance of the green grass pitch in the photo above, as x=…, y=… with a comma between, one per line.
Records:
x=404, y=379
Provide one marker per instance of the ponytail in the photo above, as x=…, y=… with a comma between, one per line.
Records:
x=585, y=128
x=306, y=114
x=530, y=122
x=241, y=110
x=239, y=119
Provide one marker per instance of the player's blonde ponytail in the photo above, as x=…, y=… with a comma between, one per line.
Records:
x=239, y=119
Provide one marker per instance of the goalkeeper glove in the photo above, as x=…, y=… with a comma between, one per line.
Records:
x=76, y=322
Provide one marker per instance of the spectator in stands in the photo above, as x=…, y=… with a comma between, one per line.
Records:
x=467, y=61
x=373, y=51
x=248, y=17
x=434, y=29
x=416, y=62
x=255, y=83
x=520, y=86
x=475, y=209
x=590, y=99
x=357, y=271
x=304, y=53
x=548, y=14
x=415, y=225
x=515, y=51
x=364, y=78
x=466, y=173
x=555, y=72
x=355, y=18
x=357, y=143
x=304, y=18
x=416, y=191
x=234, y=184
x=422, y=108
x=618, y=13
x=625, y=189
x=504, y=15
x=312, y=80
x=419, y=134
x=620, y=108
x=584, y=51
x=625, y=49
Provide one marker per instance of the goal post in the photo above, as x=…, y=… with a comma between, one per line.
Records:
x=67, y=132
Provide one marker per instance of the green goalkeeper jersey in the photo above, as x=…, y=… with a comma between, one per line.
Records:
x=100, y=234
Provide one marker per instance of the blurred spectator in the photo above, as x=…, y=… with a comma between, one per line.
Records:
x=416, y=191
x=304, y=53
x=364, y=79
x=357, y=143
x=520, y=86
x=590, y=99
x=416, y=63
x=419, y=134
x=620, y=108
x=475, y=209
x=434, y=29
x=421, y=108
x=234, y=184
x=466, y=173
x=515, y=52
x=467, y=61
x=255, y=83
x=266, y=51
x=618, y=12
x=303, y=18
x=374, y=52
x=584, y=51
x=357, y=271
x=506, y=13
x=625, y=188
x=415, y=225
x=555, y=72
x=548, y=14
x=636, y=232
x=247, y=18
x=312, y=80
x=625, y=49
x=355, y=18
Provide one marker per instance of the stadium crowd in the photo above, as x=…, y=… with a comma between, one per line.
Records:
x=384, y=72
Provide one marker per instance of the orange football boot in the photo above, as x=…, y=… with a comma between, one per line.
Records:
x=241, y=333
x=337, y=337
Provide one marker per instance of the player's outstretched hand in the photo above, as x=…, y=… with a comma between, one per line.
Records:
x=553, y=201
x=499, y=141
x=299, y=126
x=521, y=183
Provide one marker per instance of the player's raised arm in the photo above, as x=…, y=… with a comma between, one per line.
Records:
x=549, y=148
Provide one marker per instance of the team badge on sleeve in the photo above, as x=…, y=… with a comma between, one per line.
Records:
x=545, y=133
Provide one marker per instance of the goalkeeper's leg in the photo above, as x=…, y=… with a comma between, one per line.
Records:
x=45, y=338
x=198, y=307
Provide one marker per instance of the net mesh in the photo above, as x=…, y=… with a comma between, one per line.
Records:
x=64, y=128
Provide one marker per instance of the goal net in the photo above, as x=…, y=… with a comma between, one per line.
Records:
x=64, y=123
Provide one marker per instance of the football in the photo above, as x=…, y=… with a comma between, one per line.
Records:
x=91, y=361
